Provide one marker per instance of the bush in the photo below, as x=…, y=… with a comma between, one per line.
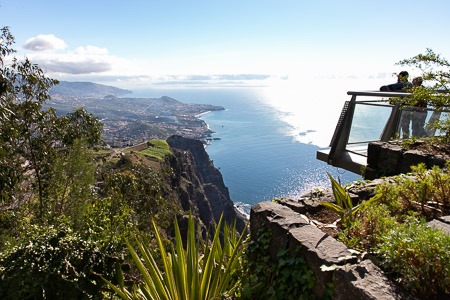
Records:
x=395, y=232
x=426, y=193
x=419, y=256
x=55, y=263
x=367, y=230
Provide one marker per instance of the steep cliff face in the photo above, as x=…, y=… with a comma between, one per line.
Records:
x=199, y=184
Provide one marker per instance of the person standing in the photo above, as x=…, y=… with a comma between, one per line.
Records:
x=419, y=112
x=414, y=115
x=402, y=85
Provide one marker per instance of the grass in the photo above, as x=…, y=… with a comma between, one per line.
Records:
x=157, y=148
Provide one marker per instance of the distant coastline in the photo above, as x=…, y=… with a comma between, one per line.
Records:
x=129, y=121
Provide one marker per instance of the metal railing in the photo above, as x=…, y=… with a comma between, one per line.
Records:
x=370, y=117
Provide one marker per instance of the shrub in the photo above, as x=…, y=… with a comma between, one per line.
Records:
x=395, y=232
x=55, y=263
x=142, y=190
x=367, y=230
x=419, y=256
x=426, y=192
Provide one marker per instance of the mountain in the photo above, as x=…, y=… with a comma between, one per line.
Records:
x=86, y=89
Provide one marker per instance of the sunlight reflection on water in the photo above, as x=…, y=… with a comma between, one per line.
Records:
x=312, y=107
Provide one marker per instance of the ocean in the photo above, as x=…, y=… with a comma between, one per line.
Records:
x=265, y=147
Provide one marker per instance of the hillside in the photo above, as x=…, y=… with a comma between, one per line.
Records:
x=86, y=89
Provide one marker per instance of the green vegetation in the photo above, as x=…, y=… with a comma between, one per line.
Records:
x=65, y=213
x=393, y=229
x=286, y=277
x=420, y=255
x=203, y=270
x=56, y=262
x=157, y=148
x=65, y=216
x=344, y=205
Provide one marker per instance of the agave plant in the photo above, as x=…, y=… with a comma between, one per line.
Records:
x=344, y=205
x=203, y=270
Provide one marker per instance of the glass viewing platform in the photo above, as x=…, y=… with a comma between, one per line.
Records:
x=370, y=117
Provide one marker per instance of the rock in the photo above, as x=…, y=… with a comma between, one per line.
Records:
x=365, y=281
x=438, y=224
x=373, y=153
x=200, y=184
x=412, y=158
x=388, y=159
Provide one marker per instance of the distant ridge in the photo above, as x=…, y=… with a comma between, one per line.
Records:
x=86, y=89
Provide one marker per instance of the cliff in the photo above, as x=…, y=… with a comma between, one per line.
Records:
x=199, y=184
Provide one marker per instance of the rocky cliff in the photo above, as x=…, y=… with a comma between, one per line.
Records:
x=199, y=184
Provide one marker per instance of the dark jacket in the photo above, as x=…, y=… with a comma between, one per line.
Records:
x=396, y=87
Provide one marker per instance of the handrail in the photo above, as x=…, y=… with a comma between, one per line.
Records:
x=341, y=135
x=354, y=156
x=378, y=94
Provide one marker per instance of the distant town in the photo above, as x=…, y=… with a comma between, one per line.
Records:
x=129, y=121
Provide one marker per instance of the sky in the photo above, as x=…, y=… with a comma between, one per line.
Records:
x=139, y=44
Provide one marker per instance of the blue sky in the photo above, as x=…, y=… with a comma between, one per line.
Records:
x=154, y=43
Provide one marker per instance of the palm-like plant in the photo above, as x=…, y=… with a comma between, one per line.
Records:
x=344, y=205
x=204, y=270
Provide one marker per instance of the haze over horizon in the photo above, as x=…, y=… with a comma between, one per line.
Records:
x=150, y=44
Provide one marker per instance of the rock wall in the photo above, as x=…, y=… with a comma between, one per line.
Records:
x=389, y=158
x=351, y=277
x=199, y=184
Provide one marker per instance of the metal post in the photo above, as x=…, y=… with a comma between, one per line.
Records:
x=343, y=132
x=390, y=129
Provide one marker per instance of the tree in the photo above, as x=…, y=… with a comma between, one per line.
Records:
x=31, y=138
x=25, y=129
x=80, y=125
x=71, y=182
x=50, y=236
x=141, y=189
x=435, y=71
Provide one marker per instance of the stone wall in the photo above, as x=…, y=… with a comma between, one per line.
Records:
x=352, y=278
x=389, y=158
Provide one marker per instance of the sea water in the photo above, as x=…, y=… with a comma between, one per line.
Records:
x=266, y=141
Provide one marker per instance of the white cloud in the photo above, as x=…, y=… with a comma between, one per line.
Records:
x=44, y=42
x=83, y=60
x=97, y=64
x=73, y=64
x=90, y=50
